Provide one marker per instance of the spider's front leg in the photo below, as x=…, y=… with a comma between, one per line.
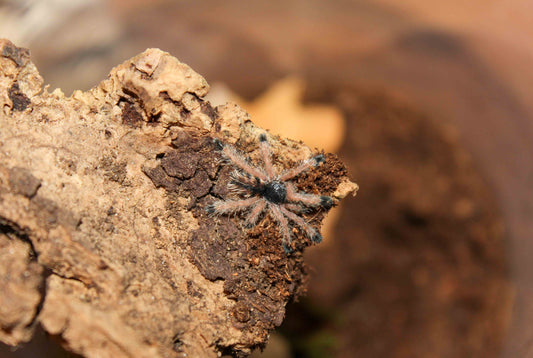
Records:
x=264, y=147
x=304, y=166
x=238, y=160
x=310, y=200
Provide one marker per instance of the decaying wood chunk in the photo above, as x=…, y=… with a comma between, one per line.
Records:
x=104, y=237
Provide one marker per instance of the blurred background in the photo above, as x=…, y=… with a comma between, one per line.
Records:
x=430, y=105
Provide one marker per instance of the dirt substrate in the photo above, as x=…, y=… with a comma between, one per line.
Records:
x=416, y=264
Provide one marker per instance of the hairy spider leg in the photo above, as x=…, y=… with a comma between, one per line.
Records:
x=231, y=206
x=305, y=165
x=308, y=199
x=251, y=220
x=283, y=225
x=242, y=163
x=298, y=220
x=267, y=158
x=242, y=183
x=297, y=208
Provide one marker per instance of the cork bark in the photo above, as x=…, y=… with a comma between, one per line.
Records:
x=104, y=238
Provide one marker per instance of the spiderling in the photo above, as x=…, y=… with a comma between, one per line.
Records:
x=262, y=189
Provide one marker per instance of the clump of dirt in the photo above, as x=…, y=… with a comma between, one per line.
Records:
x=416, y=265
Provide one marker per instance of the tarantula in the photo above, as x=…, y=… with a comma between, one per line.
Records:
x=263, y=189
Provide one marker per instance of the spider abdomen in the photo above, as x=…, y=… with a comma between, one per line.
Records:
x=275, y=192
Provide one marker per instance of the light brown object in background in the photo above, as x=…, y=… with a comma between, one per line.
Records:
x=280, y=109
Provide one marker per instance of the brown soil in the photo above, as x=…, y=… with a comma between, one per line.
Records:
x=416, y=265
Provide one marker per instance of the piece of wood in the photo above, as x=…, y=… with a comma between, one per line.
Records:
x=104, y=237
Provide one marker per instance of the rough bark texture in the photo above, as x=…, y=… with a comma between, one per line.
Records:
x=104, y=240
